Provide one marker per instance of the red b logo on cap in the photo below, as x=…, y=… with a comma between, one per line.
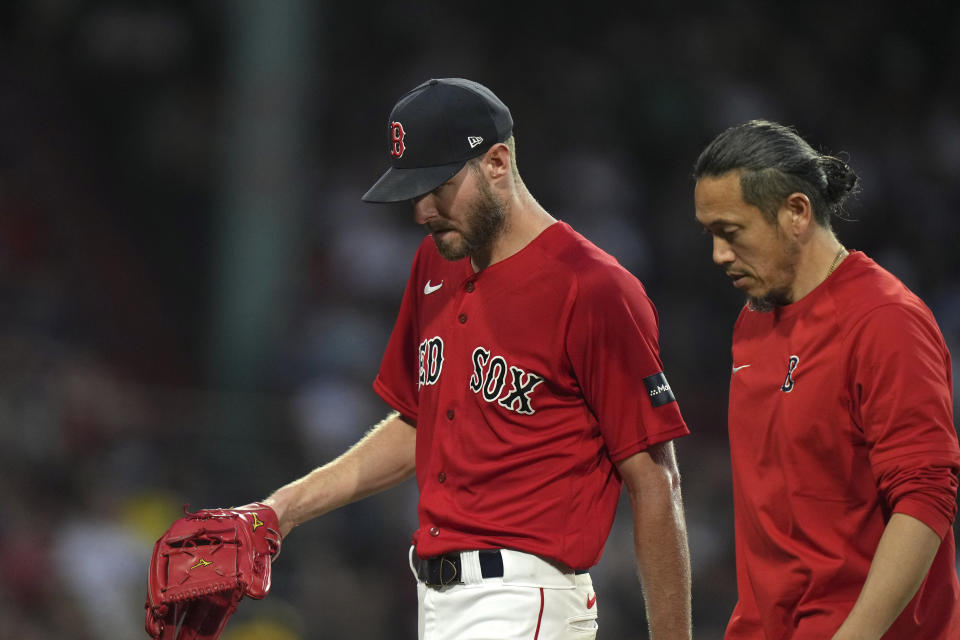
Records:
x=396, y=137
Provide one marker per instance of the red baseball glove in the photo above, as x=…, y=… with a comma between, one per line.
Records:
x=203, y=566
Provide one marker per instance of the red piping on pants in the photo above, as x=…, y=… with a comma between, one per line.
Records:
x=539, y=616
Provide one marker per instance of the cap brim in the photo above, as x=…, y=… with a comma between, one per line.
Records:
x=397, y=185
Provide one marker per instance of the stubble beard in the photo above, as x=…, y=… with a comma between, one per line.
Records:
x=766, y=303
x=779, y=296
x=485, y=222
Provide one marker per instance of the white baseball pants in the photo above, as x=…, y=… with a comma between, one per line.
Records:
x=534, y=600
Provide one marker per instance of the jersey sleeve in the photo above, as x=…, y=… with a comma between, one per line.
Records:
x=901, y=389
x=397, y=379
x=613, y=346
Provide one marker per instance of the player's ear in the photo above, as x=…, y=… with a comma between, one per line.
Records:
x=496, y=162
x=796, y=213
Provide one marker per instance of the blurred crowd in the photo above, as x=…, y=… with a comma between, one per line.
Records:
x=113, y=154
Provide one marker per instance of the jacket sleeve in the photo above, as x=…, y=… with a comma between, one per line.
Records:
x=902, y=394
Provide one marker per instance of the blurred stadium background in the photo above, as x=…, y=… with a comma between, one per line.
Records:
x=194, y=300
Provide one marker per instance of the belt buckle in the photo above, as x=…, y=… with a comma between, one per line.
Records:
x=440, y=571
x=446, y=562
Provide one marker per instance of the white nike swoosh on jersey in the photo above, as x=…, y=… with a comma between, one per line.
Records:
x=429, y=288
x=735, y=369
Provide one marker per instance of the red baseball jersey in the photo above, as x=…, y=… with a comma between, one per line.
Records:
x=527, y=382
x=840, y=415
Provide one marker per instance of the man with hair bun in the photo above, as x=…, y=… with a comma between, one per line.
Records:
x=843, y=447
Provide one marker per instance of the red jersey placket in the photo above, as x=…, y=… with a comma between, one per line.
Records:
x=454, y=394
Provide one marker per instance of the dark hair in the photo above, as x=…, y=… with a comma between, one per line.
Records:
x=774, y=162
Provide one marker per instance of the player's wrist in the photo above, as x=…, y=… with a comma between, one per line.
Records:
x=281, y=508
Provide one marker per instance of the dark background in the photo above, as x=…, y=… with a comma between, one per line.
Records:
x=194, y=300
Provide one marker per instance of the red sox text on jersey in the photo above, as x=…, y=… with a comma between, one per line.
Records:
x=489, y=379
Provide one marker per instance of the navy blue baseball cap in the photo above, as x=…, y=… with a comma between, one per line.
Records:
x=433, y=131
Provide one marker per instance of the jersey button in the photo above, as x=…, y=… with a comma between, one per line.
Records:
x=441, y=477
x=469, y=287
x=434, y=531
x=450, y=414
x=462, y=318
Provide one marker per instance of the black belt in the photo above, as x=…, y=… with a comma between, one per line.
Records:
x=440, y=571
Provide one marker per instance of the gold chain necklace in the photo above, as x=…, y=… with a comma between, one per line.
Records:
x=837, y=260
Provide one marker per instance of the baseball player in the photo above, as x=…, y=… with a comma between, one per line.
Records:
x=525, y=376
x=844, y=453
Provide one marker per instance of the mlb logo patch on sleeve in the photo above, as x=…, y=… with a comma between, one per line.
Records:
x=659, y=389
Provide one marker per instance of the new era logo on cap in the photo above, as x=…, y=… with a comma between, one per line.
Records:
x=427, y=149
